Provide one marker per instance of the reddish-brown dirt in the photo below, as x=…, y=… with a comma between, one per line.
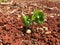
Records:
x=13, y=30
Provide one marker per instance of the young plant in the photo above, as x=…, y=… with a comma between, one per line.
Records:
x=27, y=20
x=38, y=16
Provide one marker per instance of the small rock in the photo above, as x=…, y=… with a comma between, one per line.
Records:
x=28, y=31
x=19, y=16
x=45, y=19
x=48, y=32
x=52, y=16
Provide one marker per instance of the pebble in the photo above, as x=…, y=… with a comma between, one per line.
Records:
x=48, y=32
x=52, y=16
x=28, y=31
x=43, y=28
x=19, y=16
x=58, y=14
x=45, y=19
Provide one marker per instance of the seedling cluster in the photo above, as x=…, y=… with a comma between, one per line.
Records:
x=37, y=16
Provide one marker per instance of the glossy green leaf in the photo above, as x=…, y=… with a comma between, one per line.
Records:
x=27, y=20
x=38, y=16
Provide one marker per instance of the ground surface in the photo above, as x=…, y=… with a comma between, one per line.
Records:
x=12, y=29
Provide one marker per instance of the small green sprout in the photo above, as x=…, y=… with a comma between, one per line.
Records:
x=27, y=20
x=37, y=16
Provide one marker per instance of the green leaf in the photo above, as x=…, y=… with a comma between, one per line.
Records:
x=38, y=16
x=39, y=22
x=3, y=1
x=35, y=14
x=27, y=20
